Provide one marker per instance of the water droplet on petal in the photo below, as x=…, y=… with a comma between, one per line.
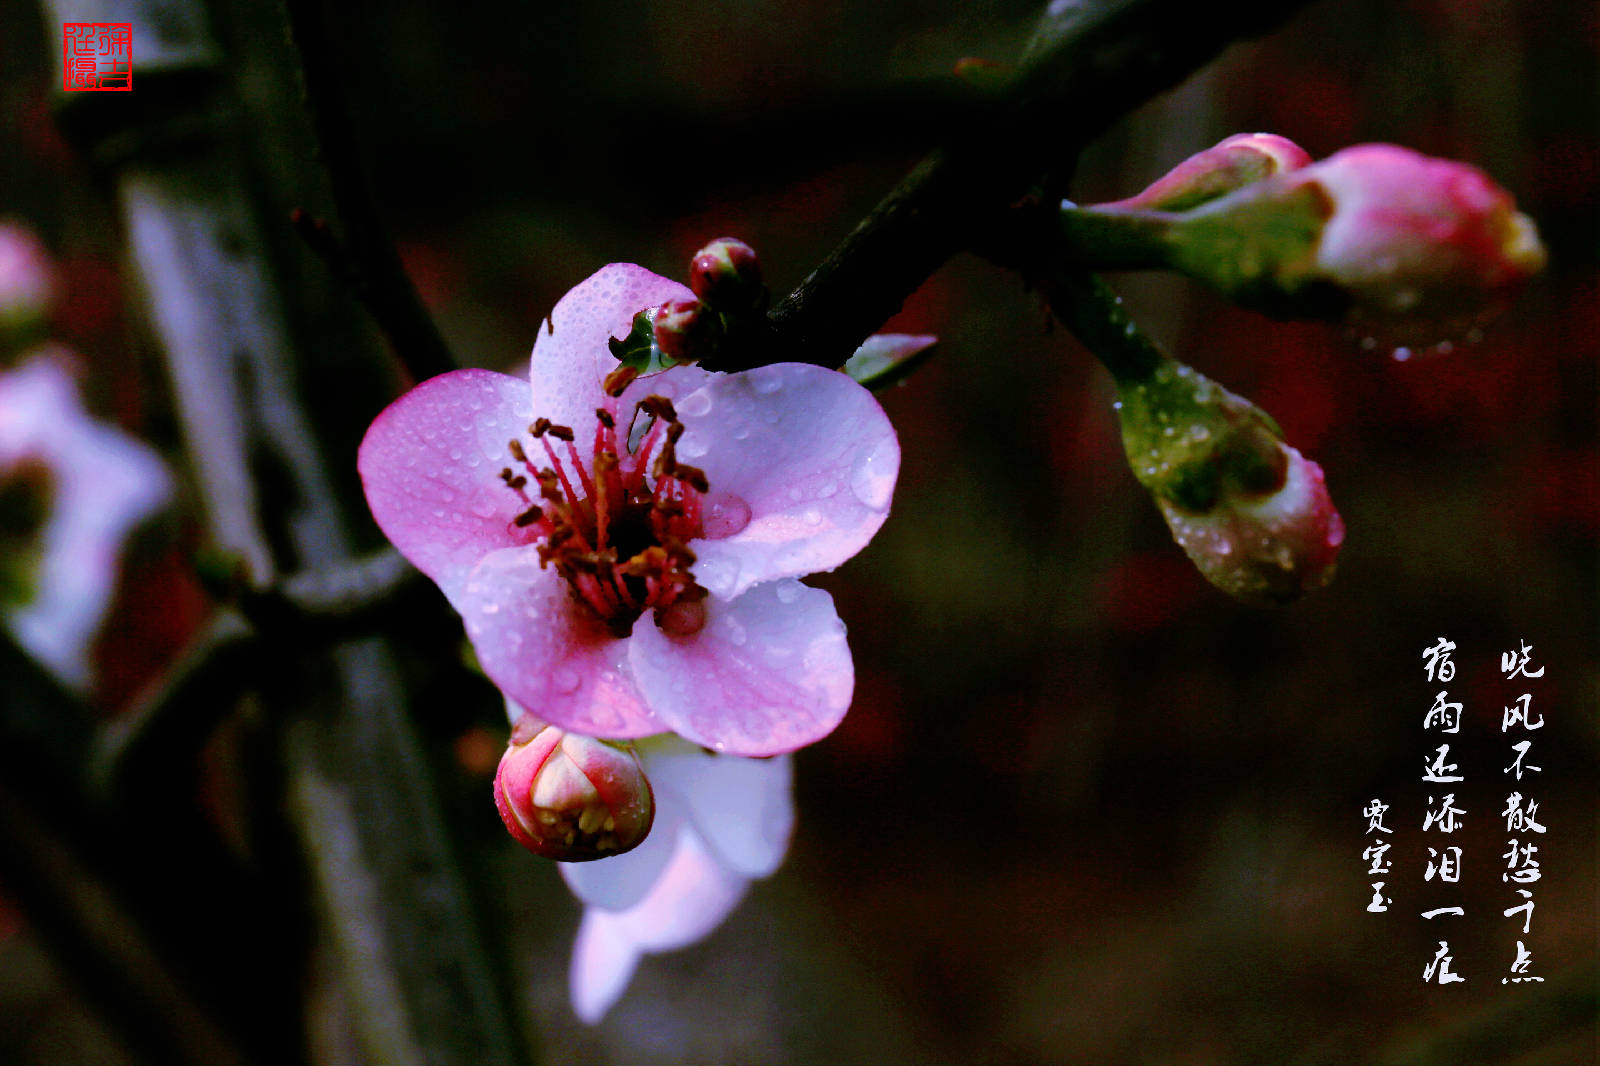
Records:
x=723, y=514
x=872, y=480
x=695, y=404
x=693, y=445
x=788, y=590
x=766, y=380
x=565, y=680
x=1401, y=354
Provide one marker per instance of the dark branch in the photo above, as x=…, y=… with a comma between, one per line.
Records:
x=1092, y=63
x=372, y=265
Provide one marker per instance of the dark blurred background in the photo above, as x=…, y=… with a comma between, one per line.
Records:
x=1085, y=808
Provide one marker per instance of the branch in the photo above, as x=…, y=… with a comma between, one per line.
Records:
x=1092, y=62
x=366, y=258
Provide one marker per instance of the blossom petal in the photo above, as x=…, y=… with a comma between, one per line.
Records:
x=768, y=673
x=692, y=897
x=429, y=465
x=743, y=809
x=603, y=961
x=807, y=453
x=620, y=882
x=571, y=357
x=546, y=651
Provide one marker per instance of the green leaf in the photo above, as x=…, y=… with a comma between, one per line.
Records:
x=885, y=359
x=639, y=349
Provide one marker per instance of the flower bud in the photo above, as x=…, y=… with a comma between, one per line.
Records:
x=25, y=285
x=571, y=797
x=1252, y=513
x=1418, y=249
x=1220, y=169
x=686, y=330
x=727, y=276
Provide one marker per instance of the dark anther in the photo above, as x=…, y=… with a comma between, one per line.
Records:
x=618, y=380
x=517, y=453
x=529, y=517
x=659, y=406
x=540, y=427
x=605, y=418
x=561, y=433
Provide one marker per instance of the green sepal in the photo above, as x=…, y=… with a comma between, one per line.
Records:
x=639, y=349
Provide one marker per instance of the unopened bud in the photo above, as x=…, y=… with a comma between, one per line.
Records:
x=1236, y=162
x=686, y=330
x=727, y=276
x=1252, y=513
x=1395, y=243
x=572, y=797
x=1418, y=249
x=25, y=285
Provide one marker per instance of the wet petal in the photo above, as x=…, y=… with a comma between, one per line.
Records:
x=546, y=651
x=742, y=808
x=571, y=361
x=430, y=465
x=769, y=672
x=807, y=453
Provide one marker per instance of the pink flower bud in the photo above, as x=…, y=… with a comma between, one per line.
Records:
x=686, y=330
x=570, y=797
x=1424, y=247
x=727, y=276
x=1220, y=169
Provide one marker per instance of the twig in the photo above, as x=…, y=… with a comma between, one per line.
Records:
x=1092, y=63
x=380, y=280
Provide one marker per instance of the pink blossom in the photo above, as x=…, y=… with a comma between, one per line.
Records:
x=721, y=821
x=98, y=483
x=621, y=591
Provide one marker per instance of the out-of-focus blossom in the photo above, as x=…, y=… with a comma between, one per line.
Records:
x=1252, y=513
x=721, y=821
x=26, y=285
x=90, y=484
x=607, y=584
x=571, y=797
x=1218, y=170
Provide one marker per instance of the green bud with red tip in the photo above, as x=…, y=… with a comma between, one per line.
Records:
x=1253, y=514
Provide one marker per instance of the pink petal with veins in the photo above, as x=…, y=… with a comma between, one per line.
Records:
x=547, y=651
x=429, y=465
x=769, y=672
x=803, y=456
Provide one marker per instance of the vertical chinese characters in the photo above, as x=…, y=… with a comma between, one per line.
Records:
x=97, y=56
x=1521, y=813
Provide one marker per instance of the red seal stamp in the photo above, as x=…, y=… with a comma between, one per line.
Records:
x=98, y=57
